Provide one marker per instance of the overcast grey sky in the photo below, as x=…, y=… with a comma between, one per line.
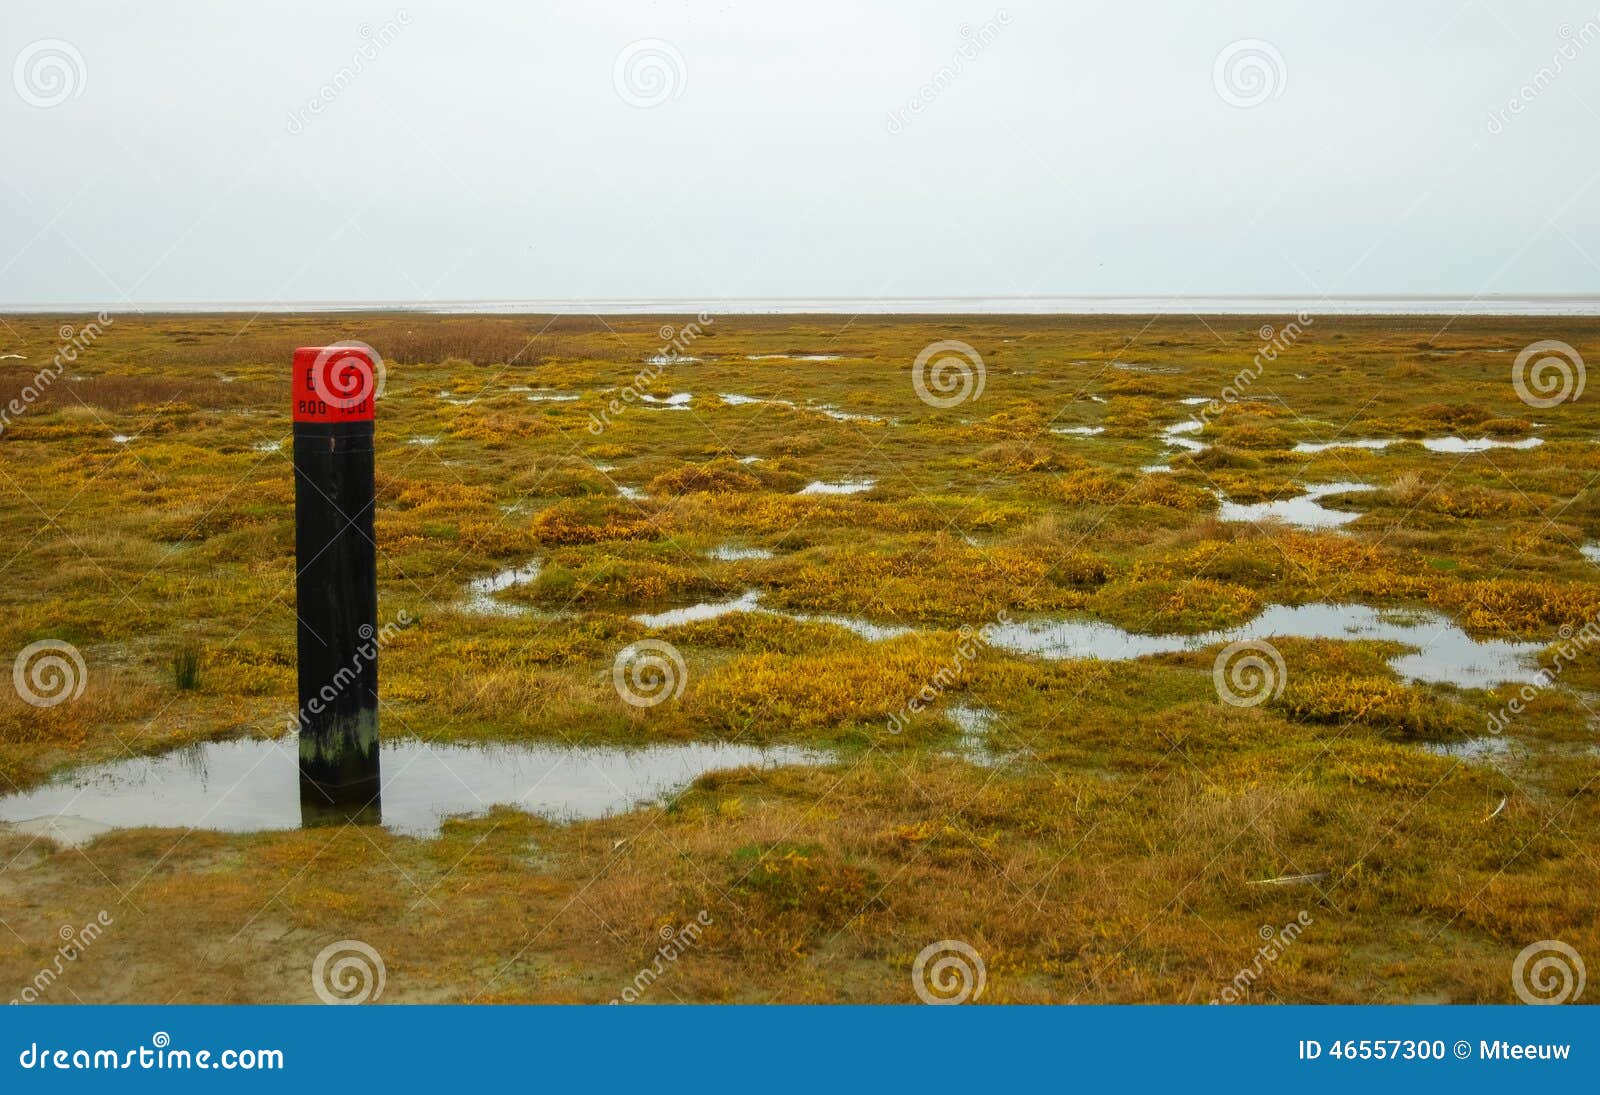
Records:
x=187, y=151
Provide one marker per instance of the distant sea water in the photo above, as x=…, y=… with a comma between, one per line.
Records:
x=1486, y=305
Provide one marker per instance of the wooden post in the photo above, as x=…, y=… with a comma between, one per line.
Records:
x=336, y=596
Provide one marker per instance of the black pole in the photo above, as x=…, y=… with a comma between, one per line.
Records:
x=336, y=595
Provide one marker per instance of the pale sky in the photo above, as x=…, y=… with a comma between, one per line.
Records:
x=168, y=152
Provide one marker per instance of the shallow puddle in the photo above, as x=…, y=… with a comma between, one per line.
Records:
x=1306, y=511
x=1442, y=652
x=732, y=553
x=1478, y=444
x=842, y=486
x=1371, y=444
x=1486, y=748
x=974, y=745
x=751, y=602
x=844, y=416
x=1456, y=445
x=1176, y=435
x=248, y=786
x=1078, y=431
x=480, y=599
x=674, y=617
x=678, y=401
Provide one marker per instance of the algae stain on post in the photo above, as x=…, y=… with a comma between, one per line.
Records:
x=336, y=596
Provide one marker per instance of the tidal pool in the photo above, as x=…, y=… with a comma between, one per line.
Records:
x=751, y=602
x=1306, y=511
x=1477, y=444
x=733, y=553
x=1372, y=444
x=1176, y=435
x=249, y=786
x=1456, y=445
x=842, y=486
x=1442, y=652
x=480, y=598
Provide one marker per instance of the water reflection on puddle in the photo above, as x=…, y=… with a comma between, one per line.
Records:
x=1432, y=444
x=1485, y=749
x=1478, y=444
x=1370, y=444
x=750, y=602
x=480, y=598
x=843, y=486
x=732, y=553
x=675, y=617
x=248, y=786
x=1306, y=511
x=1444, y=653
x=1176, y=435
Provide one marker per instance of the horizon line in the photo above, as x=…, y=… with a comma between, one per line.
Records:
x=1501, y=304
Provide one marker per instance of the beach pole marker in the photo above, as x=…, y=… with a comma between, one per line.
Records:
x=335, y=391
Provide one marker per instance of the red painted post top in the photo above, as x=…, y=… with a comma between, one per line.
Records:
x=336, y=383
